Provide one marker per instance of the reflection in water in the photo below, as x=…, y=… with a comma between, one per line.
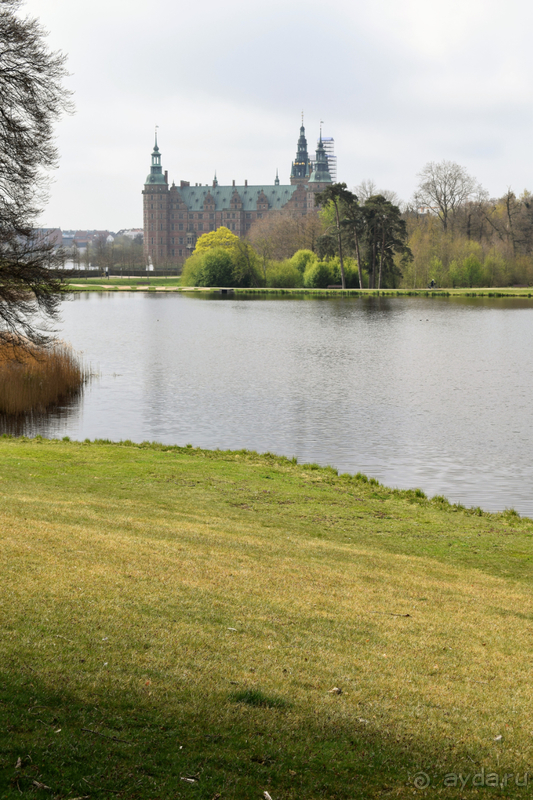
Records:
x=418, y=392
x=48, y=424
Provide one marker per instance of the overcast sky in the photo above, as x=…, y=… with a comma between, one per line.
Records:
x=397, y=84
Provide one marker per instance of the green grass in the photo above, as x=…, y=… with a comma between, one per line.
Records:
x=173, y=284
x=174, y=620
x=100, y=284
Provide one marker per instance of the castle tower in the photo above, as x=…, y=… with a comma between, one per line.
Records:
x=320, y=172
x=155, y=212
x=300, y=167
x=320, y=177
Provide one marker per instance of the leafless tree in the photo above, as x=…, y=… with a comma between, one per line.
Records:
x=368, y=188
x=32, y=98
x=444, y=188
x=281, y=233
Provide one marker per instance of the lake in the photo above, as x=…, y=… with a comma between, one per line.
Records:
x=433, y=393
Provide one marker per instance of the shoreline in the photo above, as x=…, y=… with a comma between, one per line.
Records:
x=438, y=500
x=493, y=293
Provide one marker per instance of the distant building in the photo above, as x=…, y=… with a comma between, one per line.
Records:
x=175, y=216
x=82, y=239
x=51, y=236
x=130, y=233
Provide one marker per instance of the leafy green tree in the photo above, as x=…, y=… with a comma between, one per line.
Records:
x=246, y=265
x=223, y=266
x=337, y=195
x=386, y=236
x=344, y=223
x=354, y=224
x=222, y=237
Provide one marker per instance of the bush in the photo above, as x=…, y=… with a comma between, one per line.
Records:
x=191, y=270
x=318, y=275
x=223, y=266
x=283, y=275
x=216, y=268
x=302, y=259
x=351, y=272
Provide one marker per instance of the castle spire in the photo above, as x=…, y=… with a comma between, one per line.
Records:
x=276, y=182
x=300, y=166
x=156, y=170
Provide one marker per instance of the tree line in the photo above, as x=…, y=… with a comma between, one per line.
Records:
x=122, y=253
x=450, y=233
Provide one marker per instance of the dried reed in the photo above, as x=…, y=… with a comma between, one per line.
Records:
x=32, y=379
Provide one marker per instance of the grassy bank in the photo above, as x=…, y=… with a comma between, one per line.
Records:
x=172, y=284
x=174, y=622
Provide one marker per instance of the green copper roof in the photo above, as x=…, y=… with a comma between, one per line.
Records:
x=156, y=170
x=155, y=178
x=320, y=172
x=194, y=196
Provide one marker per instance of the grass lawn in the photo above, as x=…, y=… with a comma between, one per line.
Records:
x=113, y=284
x=174, y=622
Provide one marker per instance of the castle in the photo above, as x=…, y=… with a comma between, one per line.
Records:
x=175, y=216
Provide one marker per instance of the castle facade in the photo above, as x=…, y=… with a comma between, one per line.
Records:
x=175, y=216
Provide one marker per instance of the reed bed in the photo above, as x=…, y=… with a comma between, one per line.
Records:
x=32, y=378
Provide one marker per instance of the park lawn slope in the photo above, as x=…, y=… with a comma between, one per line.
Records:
x=174, y=620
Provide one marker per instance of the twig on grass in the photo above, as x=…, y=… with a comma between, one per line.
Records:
x=104, y=736
x=388, y=613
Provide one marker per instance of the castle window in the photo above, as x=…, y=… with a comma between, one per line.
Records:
x=152, y=216
x=259, y=216
x=161, y=227
x=161, y=243
x=180, y=216
x=180, y=226
x=172, y=241
x=181, y=252
x=248, y=216
x=181, y=242
x=152, y=239
x=160, y=205
x=152, y=205
x=172, y=226
x=200, y=216
x=233, y=216
x=211, y=216
x=212, y=226
x=200, y=226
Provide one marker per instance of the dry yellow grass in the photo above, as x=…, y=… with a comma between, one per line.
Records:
x=32, y=378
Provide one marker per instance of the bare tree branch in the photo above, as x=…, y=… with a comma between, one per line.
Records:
x=32, y=98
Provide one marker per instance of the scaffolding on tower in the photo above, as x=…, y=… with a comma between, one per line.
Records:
x=329, y=147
